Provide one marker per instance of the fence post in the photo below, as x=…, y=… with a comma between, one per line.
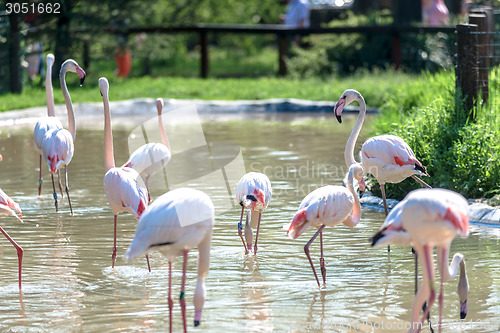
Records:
x=483, y=52
x=204, y=54
x=466, y=69
x=282, y=53
x=396, y=48
x=15, y=54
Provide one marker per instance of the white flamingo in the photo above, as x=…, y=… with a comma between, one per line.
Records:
x=175, y=223
x=124, y=186
x=253, y=193
x=57, y=144
x=151, y=157
x=387, y=157
x=50, y=122
x=327, y=206
x=424, y=219
x=7, y=207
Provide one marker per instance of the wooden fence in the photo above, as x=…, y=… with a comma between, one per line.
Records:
x=283, y=36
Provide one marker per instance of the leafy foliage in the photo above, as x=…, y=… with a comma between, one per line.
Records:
x=341, y=54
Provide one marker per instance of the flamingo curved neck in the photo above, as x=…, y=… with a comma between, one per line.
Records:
x=67, y=100
x=349, y=148
x=163, y=135
x=109, y=160
x=48, y=91
x=356, y=210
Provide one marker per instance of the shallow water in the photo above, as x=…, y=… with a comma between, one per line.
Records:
x=69, y=284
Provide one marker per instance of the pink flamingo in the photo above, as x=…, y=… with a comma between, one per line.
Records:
x=253, y=192
x=424, y=219
x=57, y=144
x=387, y=157
x=176, y=222
x=7, y=207
x=151, y=157
x=48, y=123
x=327, y=206
x=123, y=186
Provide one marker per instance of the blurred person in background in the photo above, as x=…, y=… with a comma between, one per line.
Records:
x=297, y=16
x=435, y=12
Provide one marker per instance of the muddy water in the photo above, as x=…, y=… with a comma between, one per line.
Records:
x=69, y=284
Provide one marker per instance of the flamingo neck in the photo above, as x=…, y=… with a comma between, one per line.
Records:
x=48, y=90
x=349, y=148
x=163, y=135
x=356, y=210
x=67, y=100
x=109, y=160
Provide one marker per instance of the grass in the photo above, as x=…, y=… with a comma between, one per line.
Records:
x=167, y=81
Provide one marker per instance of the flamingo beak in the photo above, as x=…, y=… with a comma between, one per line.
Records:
x=338, y=108
x=463, y=309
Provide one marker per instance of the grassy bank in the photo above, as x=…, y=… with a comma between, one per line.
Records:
x=460, y=155
x=375, y=86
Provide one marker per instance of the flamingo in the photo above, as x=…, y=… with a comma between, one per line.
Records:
x=428, y=218
x=8, y=207
x=124, y=186
x=151, y=157
x=48, y=123
x=176, y=222
x=327, y=206
x=253, y=192
x=387, y=157
x=57, y=144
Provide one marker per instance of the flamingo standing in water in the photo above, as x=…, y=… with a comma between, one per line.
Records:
x=57, y=144
x=7, y=207
x=253, y=192
x=123, y=191
x=424, y=219
x=327, y=206
x=151, y=157
x=175, y=223
x=387, y=157
x=48, y=123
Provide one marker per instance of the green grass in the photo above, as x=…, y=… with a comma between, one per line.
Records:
x=375, y=87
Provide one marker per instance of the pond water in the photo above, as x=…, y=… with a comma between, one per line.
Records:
x=69, y=284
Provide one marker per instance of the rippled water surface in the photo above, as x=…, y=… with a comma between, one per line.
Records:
x=69, y=284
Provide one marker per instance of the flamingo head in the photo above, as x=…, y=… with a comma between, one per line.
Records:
x=72, y=66
x=50, y=59
x=421, y=169
x=347, y=98
x=159, y=105
x=104, y=86
x=357, y=172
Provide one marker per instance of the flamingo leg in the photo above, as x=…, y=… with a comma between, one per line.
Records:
x=322, y=259
x=424, y=306
x=257, y=235
x=113, y=256
x=40, y=179
x=59, y=182
x=306, y=250
x=147, y=188
x=382, y=189
x=55, y=193
x=428, y=263
x=444, y=265
x=424, y=184
x=19, y=253
x=182, y=300
x=66, y=182
x=240, y=227
x=170, y=299
x=147, y=260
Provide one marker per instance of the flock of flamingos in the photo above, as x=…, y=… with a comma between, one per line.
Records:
x=182, y=219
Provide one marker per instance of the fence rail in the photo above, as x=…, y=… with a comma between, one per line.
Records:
x=282, y=33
